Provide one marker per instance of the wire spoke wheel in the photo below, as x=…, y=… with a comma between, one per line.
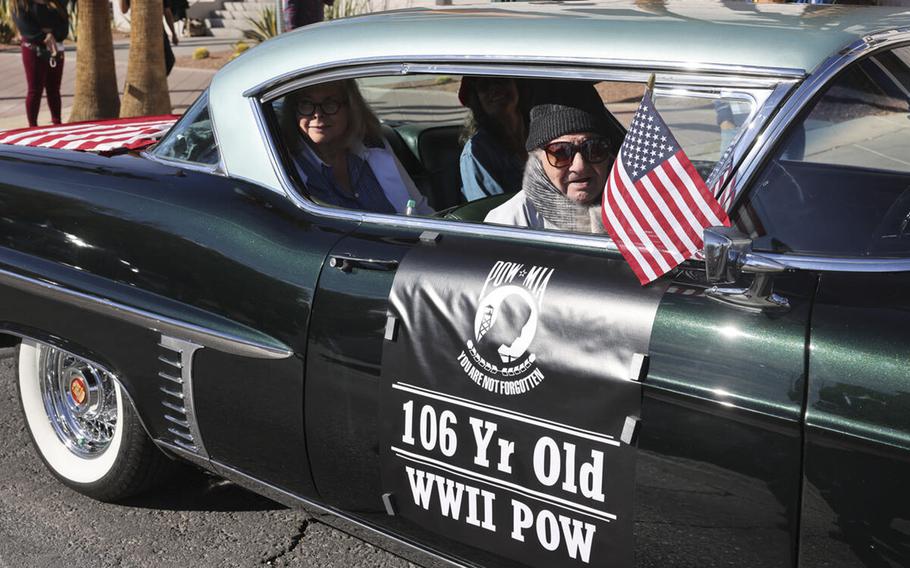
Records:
x=80, y=401
x=83, y=427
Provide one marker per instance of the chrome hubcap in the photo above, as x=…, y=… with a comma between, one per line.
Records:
x=80, y=400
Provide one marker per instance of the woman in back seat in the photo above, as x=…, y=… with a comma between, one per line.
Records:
x=340, y=154
x=493, y=157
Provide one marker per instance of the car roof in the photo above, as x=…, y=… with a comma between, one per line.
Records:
x=771, y=39
x=773, y=36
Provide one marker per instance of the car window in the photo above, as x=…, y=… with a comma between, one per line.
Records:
x=191, y=139
x=461, y=167
x=839, y=184
x=704, y=124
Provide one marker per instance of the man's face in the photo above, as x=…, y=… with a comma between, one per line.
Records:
x=580, y=180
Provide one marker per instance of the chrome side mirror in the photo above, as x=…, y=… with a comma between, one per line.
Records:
x=728, y=255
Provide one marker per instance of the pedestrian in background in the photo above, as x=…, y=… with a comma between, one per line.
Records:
x=298, y=13
x=42, y=25
x=169, y=19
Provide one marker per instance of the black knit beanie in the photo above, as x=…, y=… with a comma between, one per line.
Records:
x=566, y=107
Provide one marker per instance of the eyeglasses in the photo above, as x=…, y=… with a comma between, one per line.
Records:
x=327, y=107
x=593, y=150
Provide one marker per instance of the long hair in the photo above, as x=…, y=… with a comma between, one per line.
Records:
x=17, y=6
x=478, y=119
x=363, y=126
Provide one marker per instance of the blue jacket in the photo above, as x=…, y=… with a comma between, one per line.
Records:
x=488, y=169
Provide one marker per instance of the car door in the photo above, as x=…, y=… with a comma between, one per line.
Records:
x=833, y=199
x=400, y=413
x=401, y=396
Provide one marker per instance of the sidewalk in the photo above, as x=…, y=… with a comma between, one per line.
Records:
x=185, y=83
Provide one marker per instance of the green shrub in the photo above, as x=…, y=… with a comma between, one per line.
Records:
x=201, y=53
x=240, y=47
x=7, y=28
x=264, y=27
x=346, y=8
x=73, y=9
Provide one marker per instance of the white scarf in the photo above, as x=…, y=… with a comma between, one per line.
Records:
x=555, y=207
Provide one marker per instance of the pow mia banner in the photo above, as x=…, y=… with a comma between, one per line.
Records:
x=507, y=382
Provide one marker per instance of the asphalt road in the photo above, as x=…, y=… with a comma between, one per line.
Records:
x=201, y=521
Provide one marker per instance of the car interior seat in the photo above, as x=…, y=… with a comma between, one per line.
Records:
x=477, y=210
x=431, y=157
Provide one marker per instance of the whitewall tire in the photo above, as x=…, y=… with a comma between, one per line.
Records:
x=82, y=425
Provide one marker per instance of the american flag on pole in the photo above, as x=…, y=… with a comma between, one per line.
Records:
x=94, y=136
x=655, y=204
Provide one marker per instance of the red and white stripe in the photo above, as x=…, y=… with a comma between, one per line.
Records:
x=726, y=198
x=659, y=220
x=96, y=136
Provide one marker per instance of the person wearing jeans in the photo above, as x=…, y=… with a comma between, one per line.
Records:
x=42, y=26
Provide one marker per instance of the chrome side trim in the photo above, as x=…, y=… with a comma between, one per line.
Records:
x=183, y=453
x=593, y=242
x=207, y=337
x=754, y=72
x=176, y=394
x=805, y=94
x=185, y=351
x=829, y=264
x=487, y=68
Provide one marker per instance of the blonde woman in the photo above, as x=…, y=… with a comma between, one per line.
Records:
x=340, y=154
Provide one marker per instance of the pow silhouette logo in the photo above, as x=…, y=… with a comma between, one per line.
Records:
x=498, y=357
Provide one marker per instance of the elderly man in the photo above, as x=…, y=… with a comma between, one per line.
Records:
x=571, y=145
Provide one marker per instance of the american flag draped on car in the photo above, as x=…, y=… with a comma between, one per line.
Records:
x=94, y=136
x=655, y=204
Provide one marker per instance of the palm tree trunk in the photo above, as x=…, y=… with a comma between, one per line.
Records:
x=96, y=77
x=146, y=90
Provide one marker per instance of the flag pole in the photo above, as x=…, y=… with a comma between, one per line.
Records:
x=651, y=84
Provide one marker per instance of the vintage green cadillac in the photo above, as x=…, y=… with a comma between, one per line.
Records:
x=472, y=394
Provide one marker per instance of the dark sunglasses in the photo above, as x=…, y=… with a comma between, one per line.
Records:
x=593, y=150
x=327, y=107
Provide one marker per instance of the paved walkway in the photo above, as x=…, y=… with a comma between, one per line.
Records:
x=185, y=83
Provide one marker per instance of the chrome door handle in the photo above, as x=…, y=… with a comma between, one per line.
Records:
x=346, y=263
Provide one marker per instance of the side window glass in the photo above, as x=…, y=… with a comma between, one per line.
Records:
x=839, y=184
x=456, y=146
x=191, y=139
x=704, y=124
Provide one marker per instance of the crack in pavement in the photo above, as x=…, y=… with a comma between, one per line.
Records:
x=295, y=542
